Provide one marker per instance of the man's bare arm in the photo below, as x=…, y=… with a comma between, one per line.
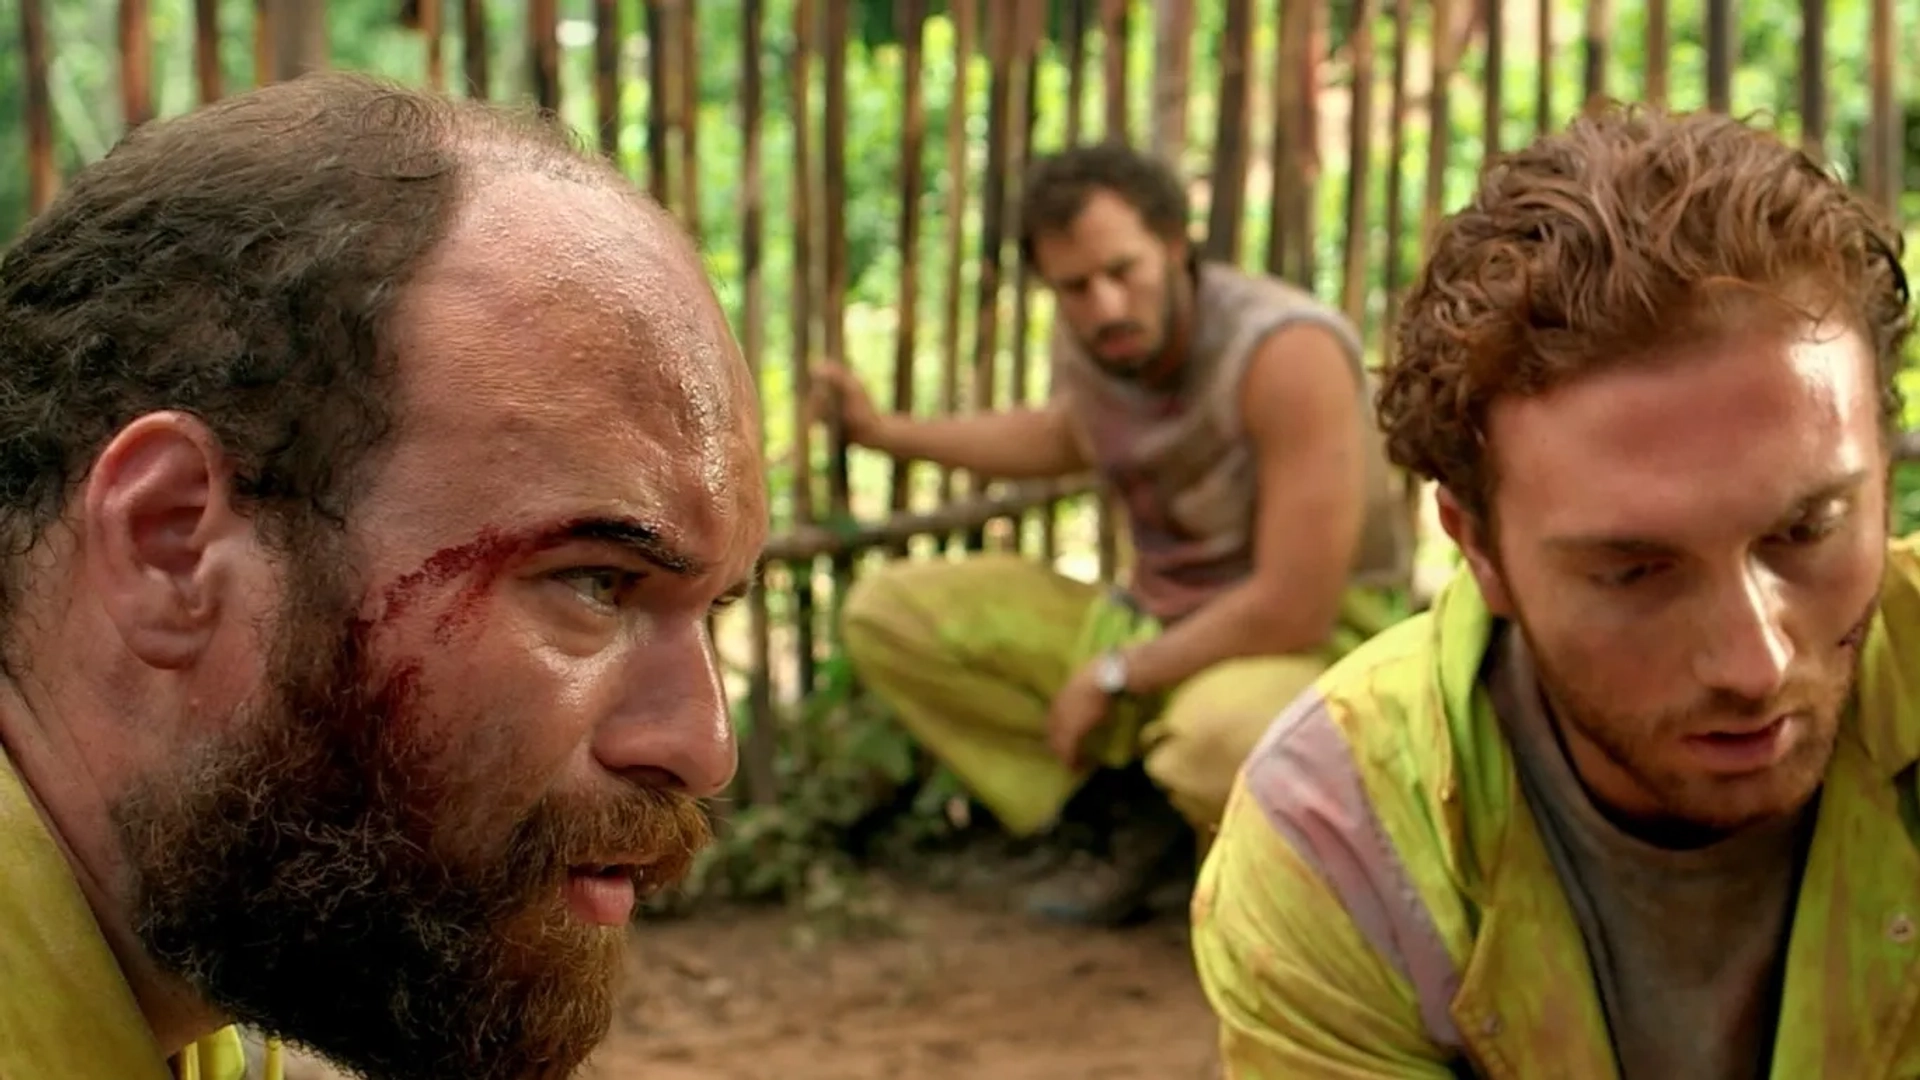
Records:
x=1016, y=444
x=1300, y=406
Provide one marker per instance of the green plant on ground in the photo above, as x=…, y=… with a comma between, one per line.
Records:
x=851, y=782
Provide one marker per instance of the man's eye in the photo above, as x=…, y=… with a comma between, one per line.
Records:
x=602, y=585
x=1808, y=532
x=1624, y=577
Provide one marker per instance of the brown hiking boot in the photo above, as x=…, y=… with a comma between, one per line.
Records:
x=1116, y=891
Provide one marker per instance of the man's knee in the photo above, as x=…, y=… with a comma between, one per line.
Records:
x=872, y=617
x=906, y=600
x=1212, y=725
x=1195, y=761
x=891, y=612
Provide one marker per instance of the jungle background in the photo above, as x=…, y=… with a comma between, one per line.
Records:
x=851, y=921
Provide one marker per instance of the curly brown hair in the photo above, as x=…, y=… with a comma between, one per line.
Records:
x=239, y=263
x=1620, y=234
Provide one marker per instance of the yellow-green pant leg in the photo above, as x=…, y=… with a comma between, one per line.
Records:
x=969, y=655
x=1195, y=748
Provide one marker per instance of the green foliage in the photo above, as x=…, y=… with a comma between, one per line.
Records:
x=1906, y=499
x=843, y=764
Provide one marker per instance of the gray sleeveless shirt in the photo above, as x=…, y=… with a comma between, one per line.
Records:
x=1180, y=463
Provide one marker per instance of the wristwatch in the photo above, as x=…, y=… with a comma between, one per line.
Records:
x=1110, y=673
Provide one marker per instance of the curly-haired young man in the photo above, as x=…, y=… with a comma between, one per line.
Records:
x=1637, y=796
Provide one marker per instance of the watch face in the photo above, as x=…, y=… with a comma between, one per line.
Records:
x=1111, y=675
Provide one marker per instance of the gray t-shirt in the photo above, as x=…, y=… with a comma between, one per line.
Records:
x=1687, y=946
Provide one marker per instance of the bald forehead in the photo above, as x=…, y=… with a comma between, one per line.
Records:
x=606, y=281
x=568, y=325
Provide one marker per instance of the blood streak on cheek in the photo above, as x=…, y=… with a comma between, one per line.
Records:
x=473, y=566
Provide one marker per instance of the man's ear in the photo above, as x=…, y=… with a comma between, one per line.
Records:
x=157, y=505
x=1470, y=534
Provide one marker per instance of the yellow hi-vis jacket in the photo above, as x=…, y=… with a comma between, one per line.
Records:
x=1379, y=902
x=65, y=1009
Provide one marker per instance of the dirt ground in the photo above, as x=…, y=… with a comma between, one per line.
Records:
x=963, y=989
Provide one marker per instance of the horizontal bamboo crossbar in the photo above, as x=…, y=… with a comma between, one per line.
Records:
x=812, y=541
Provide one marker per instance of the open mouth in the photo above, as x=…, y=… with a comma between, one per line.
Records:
x=605, y=870
x=603, y=893
x=1745, y=749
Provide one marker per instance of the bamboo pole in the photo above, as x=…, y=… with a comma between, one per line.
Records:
x=43, y=175
x=1720, y=55
x=1310, y=32
x=300, y=38
x=912, y=16
x=1076, y=68
x=1885, y=127
x=1658, y=52
x=136, y=64
x=1025, y=102
x=1353, y=293
x=1228, y=200
x=968, y=515
x=606, y=75
x=834, y=264
x=543, y=47
x=658, y=180
x=1173, y=70
x=958, y=169
x=1599, y=33
x=1286, y=164
x=263, y=35
x=1114, y=24
x=690, y=119
x=206, y=48
x=1438, y=121
x=1491, y=116
x=1543, y=118
x=433, y=31
x=1813, y=68
x=760, y=753
x=473, y=43
x=1113, y=62
x=1396, y=152
x=993, y=195
x=800, y=303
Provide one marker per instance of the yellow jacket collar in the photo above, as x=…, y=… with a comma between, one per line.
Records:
x=65, y=1008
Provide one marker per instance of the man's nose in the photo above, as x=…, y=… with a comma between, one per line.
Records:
x=1749, y=651
x=1107, y=299
x=671, y=729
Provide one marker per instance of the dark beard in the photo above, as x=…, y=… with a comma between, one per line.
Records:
x=291, y=875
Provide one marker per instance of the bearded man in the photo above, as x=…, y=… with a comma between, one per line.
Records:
x=369, y=464
x=1228, y=414
x=1637, y=797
